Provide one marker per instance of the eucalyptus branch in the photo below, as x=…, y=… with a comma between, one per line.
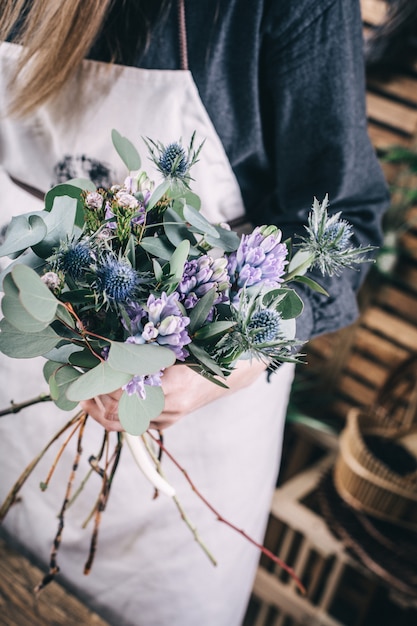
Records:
x=17, y=407
x=220, y=518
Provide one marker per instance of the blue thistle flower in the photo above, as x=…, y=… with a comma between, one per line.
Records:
x=173, y=161
x=117, y=280
x=267, y=324
x=74, y=259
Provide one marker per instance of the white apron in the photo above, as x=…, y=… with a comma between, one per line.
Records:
x=148, y=570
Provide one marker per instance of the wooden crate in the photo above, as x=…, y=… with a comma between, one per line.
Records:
x=340, y=591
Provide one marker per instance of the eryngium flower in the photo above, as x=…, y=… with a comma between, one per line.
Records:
x=328, y=241
x=138, y=382
x=260, y=259
x=199, y=276
x=117, y=280
x=160, y=321
x=264, y=326
x=74, y=259
x=173, y=161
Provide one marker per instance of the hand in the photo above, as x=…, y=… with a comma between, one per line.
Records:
x=184, y=390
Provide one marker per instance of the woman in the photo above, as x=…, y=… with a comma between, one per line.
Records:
x=276, y=90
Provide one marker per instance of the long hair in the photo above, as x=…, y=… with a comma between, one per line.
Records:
x=56, y=35
x=393, y=44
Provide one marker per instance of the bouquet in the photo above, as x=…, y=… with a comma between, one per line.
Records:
x=113, y=286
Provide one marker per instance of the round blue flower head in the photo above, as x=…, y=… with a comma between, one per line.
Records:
x=267, y=323
x=117, y=280
x=173, y=161
x=74, y=260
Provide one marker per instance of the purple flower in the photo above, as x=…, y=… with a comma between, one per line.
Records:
x=137, y=384
x=201, y=275
x=259, y=259
x=162, y=322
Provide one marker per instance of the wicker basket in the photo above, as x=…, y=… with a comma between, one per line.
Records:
x=370, y=483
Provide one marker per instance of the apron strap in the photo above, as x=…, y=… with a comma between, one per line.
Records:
x=182, y=35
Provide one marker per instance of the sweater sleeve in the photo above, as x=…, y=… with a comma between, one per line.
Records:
x=313, y=98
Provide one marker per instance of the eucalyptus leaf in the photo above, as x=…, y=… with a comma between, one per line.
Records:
x=71, y=191
x=178, y=259
x=126, y=151
x=135, y=414
x=23, y=232
x=99, y=380
x=158, y=193
x=300, y=263
x=82, y=183
x=19, y=345
x=176, y=230
x=59, y=222
x=196, y=219
x=158, y=246
x=19, y=317
x=291, y=306
x=64, y=352
x=139, y=359
x=59, y=382
x=30, y=259
x=83, y=357
x=198, y=315
x=34, y=294
x=226, y=240
x=212, y=330
x=64, y=316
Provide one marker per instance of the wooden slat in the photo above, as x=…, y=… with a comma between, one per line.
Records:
x=383, y=138
x=19, y=606
x=402, y=87
x=383, y=350
x=399, y=301
x=391, y=113
x=366, y=369
x=388, y=325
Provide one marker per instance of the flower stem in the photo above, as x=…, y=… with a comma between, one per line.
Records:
x=16, y=408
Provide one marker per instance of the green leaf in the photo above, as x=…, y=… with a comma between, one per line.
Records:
x=23, y=232
x=135, y=413
x=312, y=284
x=176, y=230
x=83, y=358
x=178, y=259
x=126, y=151
x=99, y=380
x=34, y=294
x=226, y=240
x=30, y=259
x=82, y=183
x=59, y=382
x=214, y=329
x=198, y=315
x=63, y=353
x=286, y=301
x=139, y=359
x=64, y=316
x=199, y=222
x=157, y=270
x=300, y=263
x=158, y=193
x=19, y=317
x=59, y=223
x=205, y=359
x=19, y=345
x=65, y=189
x=158, y=246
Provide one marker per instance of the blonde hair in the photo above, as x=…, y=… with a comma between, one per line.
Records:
x=56, y=35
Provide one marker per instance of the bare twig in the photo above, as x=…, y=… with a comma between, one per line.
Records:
x=17, y=407
x=220, y=518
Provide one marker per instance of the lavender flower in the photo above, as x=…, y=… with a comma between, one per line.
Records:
x=199, y=276
x=117, y=280
x=259, y=259
x=137, y=384
x=162, y=322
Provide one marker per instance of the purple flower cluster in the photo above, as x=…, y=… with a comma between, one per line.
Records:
x=260, y=259
x=160, y=321
x=199, y=276
x=137, y=384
